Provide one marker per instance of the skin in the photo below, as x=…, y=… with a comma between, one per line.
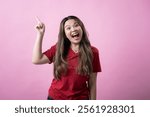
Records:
x=92, y=86
x=37, y=56
x=71, y=27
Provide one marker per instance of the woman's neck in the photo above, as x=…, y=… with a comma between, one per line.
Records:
x=75, y=47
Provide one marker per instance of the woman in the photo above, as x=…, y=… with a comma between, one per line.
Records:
x=76, y=62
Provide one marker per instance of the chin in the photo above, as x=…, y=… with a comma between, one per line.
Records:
x=76, y=42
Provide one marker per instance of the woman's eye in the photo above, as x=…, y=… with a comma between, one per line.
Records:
x=68, y=28
x=76, y=25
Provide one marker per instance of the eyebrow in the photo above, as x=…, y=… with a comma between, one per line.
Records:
x=67, y=26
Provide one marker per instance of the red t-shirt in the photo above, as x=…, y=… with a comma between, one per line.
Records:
x=71, y=86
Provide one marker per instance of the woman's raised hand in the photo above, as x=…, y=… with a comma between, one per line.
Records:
x=40, y=27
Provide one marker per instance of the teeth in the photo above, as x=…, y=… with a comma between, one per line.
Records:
x=74, y=33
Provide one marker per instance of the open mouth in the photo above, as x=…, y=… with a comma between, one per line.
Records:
x=74, y=34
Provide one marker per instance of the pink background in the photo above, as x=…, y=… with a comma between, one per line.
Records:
x=120, y=29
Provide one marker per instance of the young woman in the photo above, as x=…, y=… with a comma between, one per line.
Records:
x=76, y=62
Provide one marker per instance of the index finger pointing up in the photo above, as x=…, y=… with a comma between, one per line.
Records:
x=38, y=20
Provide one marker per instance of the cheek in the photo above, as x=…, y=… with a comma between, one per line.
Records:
x=81, y=33
x=67, y=34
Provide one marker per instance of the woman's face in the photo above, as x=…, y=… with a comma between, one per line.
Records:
x=73, y=31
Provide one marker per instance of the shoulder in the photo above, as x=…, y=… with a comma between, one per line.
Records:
x=53, y=48
x=94, y=50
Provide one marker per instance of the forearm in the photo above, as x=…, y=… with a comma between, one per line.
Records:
x=37, y=49
x=92, y=86
x=93, y=93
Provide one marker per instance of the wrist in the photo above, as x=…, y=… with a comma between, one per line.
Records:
x=40, y=35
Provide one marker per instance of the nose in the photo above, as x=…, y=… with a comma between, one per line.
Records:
x=72, y=28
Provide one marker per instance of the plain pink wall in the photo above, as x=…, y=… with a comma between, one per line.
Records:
x=120, y=29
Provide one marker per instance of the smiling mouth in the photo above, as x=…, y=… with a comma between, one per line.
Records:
x=75, y=34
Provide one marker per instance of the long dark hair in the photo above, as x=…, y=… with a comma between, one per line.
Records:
x=63, y=45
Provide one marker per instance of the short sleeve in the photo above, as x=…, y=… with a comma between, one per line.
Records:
x=96, y=60
x=50, y=53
